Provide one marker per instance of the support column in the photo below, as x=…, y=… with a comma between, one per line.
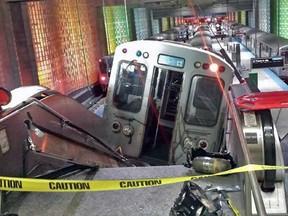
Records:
x=256, y=13
x=9, y=65
x=20, y=39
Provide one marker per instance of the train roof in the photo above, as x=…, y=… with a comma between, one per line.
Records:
x=236, y=26
x=202, y=28
x=244, y=29
x=230, y=23
x=273, y=40
x=177, y=42
x=169, y=31
x=161, y=36
x=203, y=33
x=201, y=42
x=253, y=31
x=153, y=43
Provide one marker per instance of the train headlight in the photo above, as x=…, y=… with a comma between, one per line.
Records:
x=188, y=144
x=213, y=67
x=203, y=143
x=197, y=64
x=102, y=77
x=116, y=126
x=128, y=130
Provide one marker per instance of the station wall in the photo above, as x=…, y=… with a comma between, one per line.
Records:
x=58, y=43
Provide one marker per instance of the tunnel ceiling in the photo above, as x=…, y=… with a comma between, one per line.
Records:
x=164, y=8
x=201, y=3
x=167, y=8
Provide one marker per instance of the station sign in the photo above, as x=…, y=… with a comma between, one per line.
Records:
x=268, y=62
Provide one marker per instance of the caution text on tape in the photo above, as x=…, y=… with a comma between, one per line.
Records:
x=42, y=185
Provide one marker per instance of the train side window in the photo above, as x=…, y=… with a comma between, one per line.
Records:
x=160, y=83
x=260, y=47
x=269, y=51
x=285, y=54
x=204, y=101
x=129, y=86
x=103, y=67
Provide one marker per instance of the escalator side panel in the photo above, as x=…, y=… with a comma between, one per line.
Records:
x=268, y=148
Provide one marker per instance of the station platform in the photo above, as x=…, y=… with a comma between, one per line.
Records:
x=268, y=81
x=152, y=201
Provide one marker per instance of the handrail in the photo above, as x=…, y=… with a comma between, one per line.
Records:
x=259, y=204
x=65, y=121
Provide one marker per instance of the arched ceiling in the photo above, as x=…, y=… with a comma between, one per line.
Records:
x=196, y=7
x=162, y=8
x=168, y=8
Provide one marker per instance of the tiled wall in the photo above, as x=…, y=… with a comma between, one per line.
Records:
x=117, y=25
x=165, y=23
x=141, y=23
x=156, y=28
x=243, y=18
x=283, y=18
x=236, y=17
x=6, y=76
x=264, y=15
x=172, y=22
x=250, y=21
x=64, y=43
x=231, y=16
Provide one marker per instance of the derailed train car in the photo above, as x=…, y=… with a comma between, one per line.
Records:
x=165, y=98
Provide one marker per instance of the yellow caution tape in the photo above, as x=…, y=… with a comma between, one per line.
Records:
x=41, y=185
x=233, y=207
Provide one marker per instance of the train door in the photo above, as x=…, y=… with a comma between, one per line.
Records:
x=282, y=72
x=164, y=97
x=148, y=115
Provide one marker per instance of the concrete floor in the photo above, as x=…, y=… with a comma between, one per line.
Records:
x=153, y=201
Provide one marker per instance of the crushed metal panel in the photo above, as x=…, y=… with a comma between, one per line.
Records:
x=4, y=143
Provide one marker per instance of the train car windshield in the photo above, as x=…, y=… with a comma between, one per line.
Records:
x=204, y=101
x=129, y=86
